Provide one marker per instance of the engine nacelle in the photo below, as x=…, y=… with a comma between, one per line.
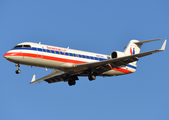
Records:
x=116, y=54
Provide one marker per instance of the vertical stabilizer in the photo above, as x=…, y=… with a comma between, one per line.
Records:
x=132, y=49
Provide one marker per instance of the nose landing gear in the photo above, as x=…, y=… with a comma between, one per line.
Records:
x=18, y=71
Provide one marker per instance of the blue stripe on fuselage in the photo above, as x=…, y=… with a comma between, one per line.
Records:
x=70, y=54
x=62, y=53
x=131, y=66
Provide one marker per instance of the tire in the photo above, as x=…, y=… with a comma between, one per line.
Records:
x=18, y=71
x=91, y=77
x=71, y=82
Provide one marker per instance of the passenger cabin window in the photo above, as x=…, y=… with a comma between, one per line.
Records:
x=44, y=50
x=57, y=52
x=48, y=51
x=61, y=53
x=39, y=49
x=83, y=56
x=96, y=58
x=88, y=57
x=66, y=53
x=52, y=51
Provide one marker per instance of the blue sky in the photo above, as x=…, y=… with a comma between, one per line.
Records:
x=100, y=26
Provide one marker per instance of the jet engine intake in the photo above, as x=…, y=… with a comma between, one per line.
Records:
x=116, y=54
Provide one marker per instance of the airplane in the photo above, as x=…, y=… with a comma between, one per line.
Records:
x=69, y=64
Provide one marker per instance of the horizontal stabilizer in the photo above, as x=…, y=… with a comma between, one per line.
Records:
x=141, y=42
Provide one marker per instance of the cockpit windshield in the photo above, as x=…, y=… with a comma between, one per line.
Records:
x=22, y=46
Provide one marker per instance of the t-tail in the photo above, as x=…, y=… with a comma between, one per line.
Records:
x=134, y=47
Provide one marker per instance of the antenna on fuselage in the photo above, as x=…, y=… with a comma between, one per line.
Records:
x=39, y=42
x=67, y=47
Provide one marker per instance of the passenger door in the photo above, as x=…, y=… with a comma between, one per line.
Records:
x=40, y=53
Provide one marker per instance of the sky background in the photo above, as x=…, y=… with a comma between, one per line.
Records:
x=100, y=26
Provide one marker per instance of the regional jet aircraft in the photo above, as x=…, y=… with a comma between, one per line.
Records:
x=68, y=64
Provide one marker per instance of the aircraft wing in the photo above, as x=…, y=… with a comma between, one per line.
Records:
x=78, y=69
x=117, y=61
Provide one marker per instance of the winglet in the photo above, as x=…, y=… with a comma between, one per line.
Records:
x=164, y=44
x=33, y=78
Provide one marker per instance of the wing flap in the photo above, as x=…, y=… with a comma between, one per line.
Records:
x=49, y=78
x=57, y=78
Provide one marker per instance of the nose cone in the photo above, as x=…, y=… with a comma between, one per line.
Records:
x=12, y=57
x=5, y=56
x=8, y=55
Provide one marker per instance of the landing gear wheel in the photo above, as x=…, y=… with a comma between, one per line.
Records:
x=91, y=77
x=71, y=82
x=18, y=71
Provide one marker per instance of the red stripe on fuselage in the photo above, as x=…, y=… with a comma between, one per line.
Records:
x=121, y=70
x=44, y=57
x=58, y=59
x=21, y=54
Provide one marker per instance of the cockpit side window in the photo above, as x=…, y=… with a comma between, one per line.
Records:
x=26, y=46
x=18, y=46
x=22, y=46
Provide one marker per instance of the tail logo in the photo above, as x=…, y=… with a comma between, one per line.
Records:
x=132, y=51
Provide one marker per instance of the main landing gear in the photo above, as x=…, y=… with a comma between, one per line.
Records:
x=72, y=80
x=18, y=71
x=91, y=77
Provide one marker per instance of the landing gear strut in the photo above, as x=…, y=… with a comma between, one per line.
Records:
x=18, y=71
